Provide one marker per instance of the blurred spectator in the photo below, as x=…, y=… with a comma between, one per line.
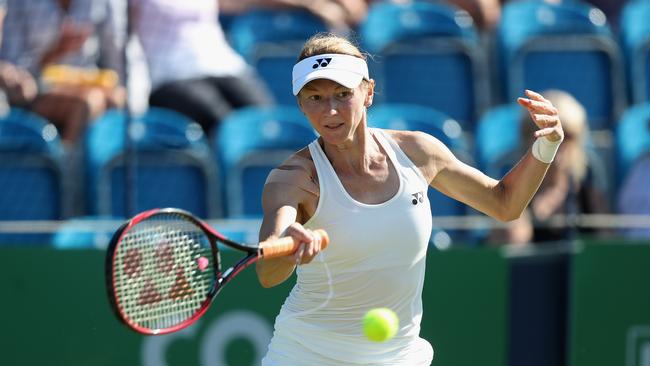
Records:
x=11, y=85
x=60, y=44
x=634, y=196
x=485, y=13
x=569, y=186
x=17, y=86
x=339, y=15
x=193, y=69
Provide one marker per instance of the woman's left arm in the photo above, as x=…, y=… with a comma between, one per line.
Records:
x=506, y=199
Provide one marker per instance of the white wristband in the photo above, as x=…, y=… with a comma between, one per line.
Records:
x=545, y=150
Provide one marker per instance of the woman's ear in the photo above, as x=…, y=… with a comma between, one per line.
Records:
x=370, y=92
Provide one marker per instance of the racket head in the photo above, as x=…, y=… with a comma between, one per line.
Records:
x=162, y=271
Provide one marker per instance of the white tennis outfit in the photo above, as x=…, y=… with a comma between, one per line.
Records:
x=376, y=258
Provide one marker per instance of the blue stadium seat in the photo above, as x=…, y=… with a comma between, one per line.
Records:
x=249, y=143
x=437, y=124
x=429, y=54
x=635, y=39
x=172, y=165
x=567, y=46
x=497, y=135
x=270, y=41
x=632, y=138
x=32, y=174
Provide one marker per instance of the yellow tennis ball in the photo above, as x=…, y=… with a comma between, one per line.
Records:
x=380, y=324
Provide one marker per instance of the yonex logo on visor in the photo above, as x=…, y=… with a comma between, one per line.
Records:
x=321, y=62
x=344, y=69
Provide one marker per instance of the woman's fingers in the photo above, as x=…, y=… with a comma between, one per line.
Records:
x=545, y=132
x=535, y=95
x=310, y=244
x=545, y=120
x=544, y=115
x=297, y=257
x=537, y=106
x=312, y=248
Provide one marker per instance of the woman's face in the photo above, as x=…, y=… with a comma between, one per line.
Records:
x=334, y=110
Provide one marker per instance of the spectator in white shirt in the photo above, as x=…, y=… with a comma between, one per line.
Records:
x=192, y=68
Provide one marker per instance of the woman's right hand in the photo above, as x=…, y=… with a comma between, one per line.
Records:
x=310, y=245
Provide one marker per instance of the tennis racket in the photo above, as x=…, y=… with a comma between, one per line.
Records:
x=163, y=268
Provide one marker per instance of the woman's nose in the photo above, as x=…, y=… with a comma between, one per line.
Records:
x=332, y=106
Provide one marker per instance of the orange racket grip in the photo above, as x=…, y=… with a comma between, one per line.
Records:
x=286, y=246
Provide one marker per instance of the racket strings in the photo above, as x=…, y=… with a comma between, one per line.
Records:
x=158, y=283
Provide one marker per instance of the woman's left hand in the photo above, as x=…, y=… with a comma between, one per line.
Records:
x=544, y=114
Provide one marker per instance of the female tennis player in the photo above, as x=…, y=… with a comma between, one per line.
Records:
x=368, y=189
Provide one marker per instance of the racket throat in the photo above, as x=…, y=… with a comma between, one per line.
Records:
x=225, y=274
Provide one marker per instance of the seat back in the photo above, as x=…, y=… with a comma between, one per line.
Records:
x=635, y=39
x=270, y=41
x=249, y=144
x=632, y=139
x=497, y=134
x=566, y=46
x=427, y=54
x=33, y=176
x=168, y=164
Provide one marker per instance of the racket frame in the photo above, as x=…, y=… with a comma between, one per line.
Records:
x=221, y=278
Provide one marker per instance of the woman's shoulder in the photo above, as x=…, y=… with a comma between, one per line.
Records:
x=301, y=160
x=298, y=170
x=415, y=144
x=425, y=151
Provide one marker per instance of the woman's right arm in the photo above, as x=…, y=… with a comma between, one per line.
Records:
x=284, y=194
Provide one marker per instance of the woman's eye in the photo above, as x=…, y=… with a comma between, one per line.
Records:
x=344, y=94
x=314, y=98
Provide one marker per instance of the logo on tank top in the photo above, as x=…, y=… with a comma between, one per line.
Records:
x=321, y=62
x=417, y=197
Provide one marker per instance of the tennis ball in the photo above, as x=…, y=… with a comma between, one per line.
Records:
x=380, y=324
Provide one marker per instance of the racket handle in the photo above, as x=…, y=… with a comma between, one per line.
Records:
x=286, y=246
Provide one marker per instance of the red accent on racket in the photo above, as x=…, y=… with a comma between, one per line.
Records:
x=163, y=268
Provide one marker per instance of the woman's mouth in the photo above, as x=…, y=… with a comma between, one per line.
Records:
x=333, y=126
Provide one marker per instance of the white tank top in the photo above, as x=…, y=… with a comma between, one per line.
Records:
x=376, y=258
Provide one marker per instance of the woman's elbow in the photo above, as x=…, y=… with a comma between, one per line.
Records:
x=269, y=279
x=507, y=215
x=266, y=283
x=265, y=280
x=512, y=216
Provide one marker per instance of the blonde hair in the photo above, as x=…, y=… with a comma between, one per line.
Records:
x=322, y=43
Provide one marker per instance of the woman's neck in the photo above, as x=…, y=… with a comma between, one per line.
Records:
x=356, y=157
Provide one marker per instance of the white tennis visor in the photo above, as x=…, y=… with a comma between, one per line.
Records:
x=344, y=69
